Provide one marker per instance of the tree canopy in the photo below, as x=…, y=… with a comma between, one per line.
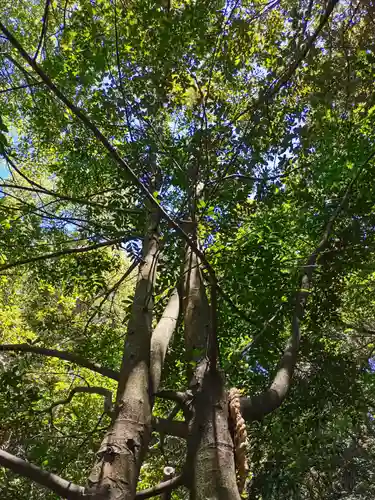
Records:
x=187, y=237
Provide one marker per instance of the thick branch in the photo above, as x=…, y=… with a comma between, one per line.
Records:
x=169, y=485
x=170, y=427
x=161, y=338
x=65, y=355
x=176, y=396
x=58, y=485
x=257, y=407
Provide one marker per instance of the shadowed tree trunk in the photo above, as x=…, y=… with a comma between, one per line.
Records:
x=210, y=445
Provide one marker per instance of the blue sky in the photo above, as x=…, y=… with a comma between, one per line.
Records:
x=4, y=172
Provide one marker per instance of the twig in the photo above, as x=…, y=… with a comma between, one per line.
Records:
x=108, y=293
x=20, y=87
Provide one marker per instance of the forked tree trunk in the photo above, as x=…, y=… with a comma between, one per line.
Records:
x=120, y=456
x=210, y=445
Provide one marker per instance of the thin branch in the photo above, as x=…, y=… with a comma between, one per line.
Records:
x=249, y=178
x=84, y=441
x=44, y=28
x=288, y=73
x=65, y=355
x=120, y=75
x=257, y=337
x=169, y=485
x=111, y=290
x=112, y=151
x=60, y=253
x=279, y=83
x=42, y=189
x=55, y=483
x=102, y=391
x=20, y=87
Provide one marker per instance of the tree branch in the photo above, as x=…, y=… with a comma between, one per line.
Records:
x=258, y=406
x=44, y=28
x=288, y=73
x=20, y=87
x=175, y=428
x=169, y=485
x=161, y=337
x=65, y=355
x=112, y=151
x=41, y=189
x=60, y=253
x=102, y=391
x=114, y=288
x=55, y=483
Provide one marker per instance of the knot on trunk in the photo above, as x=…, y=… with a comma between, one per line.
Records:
x=238, y=427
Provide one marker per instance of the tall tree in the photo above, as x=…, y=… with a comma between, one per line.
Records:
x=227, y=149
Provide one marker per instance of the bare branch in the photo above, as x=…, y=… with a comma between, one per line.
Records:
x=169, y=485
x=60, y=253
x=55, y=483
x=20, y=87
x=44, y=28
x=65, y=355
x=102, y=391
x=171, y=427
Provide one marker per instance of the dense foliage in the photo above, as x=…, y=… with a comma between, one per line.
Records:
x=259, y=116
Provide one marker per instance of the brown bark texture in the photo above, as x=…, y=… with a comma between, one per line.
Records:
x=115, y=474
x=210, y=445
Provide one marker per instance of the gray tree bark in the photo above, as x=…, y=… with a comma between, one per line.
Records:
x=210, y=445
x=120, y=455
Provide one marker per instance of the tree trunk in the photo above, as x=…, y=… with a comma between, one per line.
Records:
x=210, y=445
x=120, y=455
